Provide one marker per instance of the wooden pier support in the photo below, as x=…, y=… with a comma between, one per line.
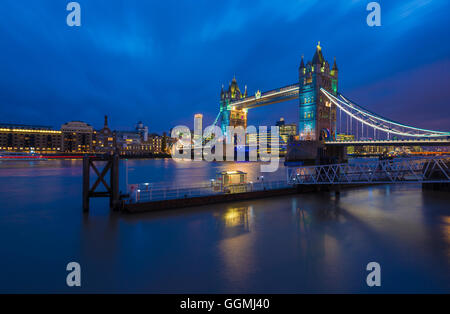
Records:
x=112, y=189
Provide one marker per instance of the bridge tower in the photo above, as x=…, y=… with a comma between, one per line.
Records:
x=317, y=121
x=229, y=114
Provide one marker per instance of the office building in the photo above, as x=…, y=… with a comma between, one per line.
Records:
x=287, y=130
x=198, y=126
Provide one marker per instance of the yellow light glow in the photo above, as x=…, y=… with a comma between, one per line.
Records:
x=30, y=131
x=232, y=215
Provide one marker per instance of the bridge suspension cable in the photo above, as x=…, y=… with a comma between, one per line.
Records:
x=377, y=122
x=217, y=119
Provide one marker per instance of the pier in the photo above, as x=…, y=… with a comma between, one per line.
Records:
x=188, y=197
x=432, y=173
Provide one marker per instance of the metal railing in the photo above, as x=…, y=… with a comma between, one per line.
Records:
x=408, y=170
x=145, y=192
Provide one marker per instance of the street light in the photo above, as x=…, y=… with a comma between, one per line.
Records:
x=262, y=180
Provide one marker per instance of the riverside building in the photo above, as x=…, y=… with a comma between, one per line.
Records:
x=29, y=138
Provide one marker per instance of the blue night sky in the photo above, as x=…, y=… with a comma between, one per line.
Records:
x=163, y=61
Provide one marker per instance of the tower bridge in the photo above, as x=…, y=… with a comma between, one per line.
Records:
x=325, y=115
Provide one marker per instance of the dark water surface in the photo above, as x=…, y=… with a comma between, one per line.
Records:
x=302, y=243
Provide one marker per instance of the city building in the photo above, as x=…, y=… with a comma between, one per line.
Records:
x=168, y=142
x=156, y=141
x=142, y=130
x=77, y=137
x=264, y=143
x=129, y=142
x=30, y=138
x=103, y=139
x=139, y=142
x=317, y=119
x=80, y=137
x=287, y=130
x=198, y=126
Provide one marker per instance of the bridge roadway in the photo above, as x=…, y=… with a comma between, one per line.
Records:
x=286, y=93
x=412, y=142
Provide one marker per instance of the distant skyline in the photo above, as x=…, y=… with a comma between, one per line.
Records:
x=162, y=62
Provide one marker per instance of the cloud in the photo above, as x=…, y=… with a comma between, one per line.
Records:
x=417, y=97
x=236, y=15
x=163, y=61
x=405, y=15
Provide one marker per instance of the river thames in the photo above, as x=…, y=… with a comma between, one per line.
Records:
x=290, y=244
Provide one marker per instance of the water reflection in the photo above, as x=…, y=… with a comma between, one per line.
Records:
x=99, y=248
x=298, y=243
x=446, y=232
x=317, y=243
x=234, y=221
x=438, y=221
x=236, y=246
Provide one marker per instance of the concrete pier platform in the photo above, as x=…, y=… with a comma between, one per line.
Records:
x=204, y=200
